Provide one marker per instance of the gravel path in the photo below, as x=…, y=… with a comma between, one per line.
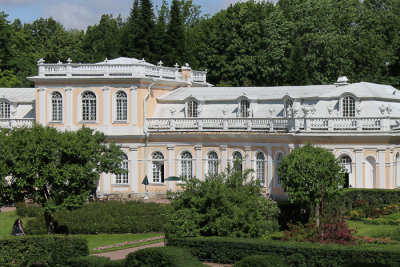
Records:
x=121, y=254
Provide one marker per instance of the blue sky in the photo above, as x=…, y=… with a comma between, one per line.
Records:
x=79, y=14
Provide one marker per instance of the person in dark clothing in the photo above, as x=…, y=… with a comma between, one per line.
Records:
x=17, y=228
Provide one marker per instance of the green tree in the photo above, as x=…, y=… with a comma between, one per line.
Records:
x=311, y=175
x=297, y=69
x=57, y=170
x=176, y=36
x=222, y=205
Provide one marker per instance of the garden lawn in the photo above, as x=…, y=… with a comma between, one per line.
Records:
x=7, y=220
x=381, y=231
x=95, y=241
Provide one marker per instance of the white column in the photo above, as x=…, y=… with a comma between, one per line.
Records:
x=248, y=159
x=391, y=184
x=270, y=167
x=382, y=168
x=223, y=157
x=171, y=169
x=359, y=168
x=133, y=150
x=134, y=105
x=42, y=105
x=106, y=182
x=106, y=109
x=68, y=107
x=198, y=161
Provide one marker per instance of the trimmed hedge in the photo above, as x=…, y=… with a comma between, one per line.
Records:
x=95, y=261
x=24, y=210
x=47, y=250
x=162, y=257
x=229, y=250
x=262, y=261
x=107, y=217
x=370, y=201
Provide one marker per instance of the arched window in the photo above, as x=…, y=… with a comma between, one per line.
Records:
x=212, y=163
x=57, y=106
x=348, y=107
x=88, y=106
x=192, y=109
x=4, y=110
x=237, y=161
x=346, y=163
x=244, y=108
x=186, y=165
x=278, y=160
x=122, y=106
x=260, y=167
x=123, y=178
x=288, y=107
x=158, y=167
x=396, y=171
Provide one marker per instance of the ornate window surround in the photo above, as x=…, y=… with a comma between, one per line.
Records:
x=80, y=107
x=60, y=101
x=115, y=106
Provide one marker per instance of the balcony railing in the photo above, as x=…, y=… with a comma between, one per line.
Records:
x=11, y=123
x=115, y=71
x=370, y=124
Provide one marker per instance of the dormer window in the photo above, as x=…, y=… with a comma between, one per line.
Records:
x=348, y=106
x=244, y=108
x=192, y=107
x=4, y=110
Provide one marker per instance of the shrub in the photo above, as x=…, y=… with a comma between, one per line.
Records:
x=35, y=226
x=223, y=205
x=229, y=250
x=336, y=231
x=272, y=260
x=48, y=250
x=162, y=256
x=24, y=210
x=88, y=261
x=292, y=213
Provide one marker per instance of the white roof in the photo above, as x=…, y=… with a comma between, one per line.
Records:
x=18, y=95
x=126, y=61
x=360, y=90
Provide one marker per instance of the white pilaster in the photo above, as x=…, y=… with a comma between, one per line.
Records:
x=68, y=107
x=198, y=161
x=224, y=156
x=106, y=108
x=382, y=168
x=134, y=181
x=171, y=167
x=391, y=184
x=359, y=168
x=247, y=150
x=106, y=182
x=42, y=105
x=270, y=167
x=134, y=105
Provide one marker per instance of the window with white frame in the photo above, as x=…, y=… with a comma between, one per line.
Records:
x=122, y=106
x=186, y=165
x=88, y=106
x=158, y=167
x=192, y=107
x=348, y=106
x=57, y=106
x=260, y=167
x=123, y=177
x=278, y=160
x=4, y=110
x=212, y=160
x=244, y=108
x=237, y=161
x=288, y=107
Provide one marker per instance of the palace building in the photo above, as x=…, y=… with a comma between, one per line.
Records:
x=171, y=122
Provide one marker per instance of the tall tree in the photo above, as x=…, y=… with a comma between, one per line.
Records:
x=161, y=46
x=128, y=37
x=57, y=170
x=297, y=70
x=176, y=36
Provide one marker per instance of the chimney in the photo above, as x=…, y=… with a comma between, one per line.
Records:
x=341, y=81
x=186, y=73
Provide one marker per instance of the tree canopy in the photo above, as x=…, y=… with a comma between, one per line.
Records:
x=57, y=170
x=311, y=175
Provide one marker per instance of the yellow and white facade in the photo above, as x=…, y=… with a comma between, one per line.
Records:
x=171, y=122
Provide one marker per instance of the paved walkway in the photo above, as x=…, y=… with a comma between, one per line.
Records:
x=121, y=254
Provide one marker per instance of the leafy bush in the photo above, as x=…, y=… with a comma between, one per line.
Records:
x=162, y=256
x=24, y=210
x=229, y=250
x=108, y=217
x=35, y=226
x=272, y=260
x=292, y=213
x=365, y=203
x=223, y=205
x=49, y=250
x=88, y=261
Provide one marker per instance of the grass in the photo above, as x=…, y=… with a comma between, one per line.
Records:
x=372, y=230
x=7, y=220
